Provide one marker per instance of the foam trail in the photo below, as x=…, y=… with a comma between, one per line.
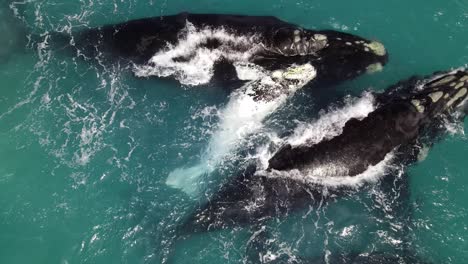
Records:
x=197, y=65
x=330, y=176
x=332, y=123
x=242, y=116
x=328, y=125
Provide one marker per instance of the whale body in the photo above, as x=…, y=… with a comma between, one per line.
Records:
x=198, y=48
x=406, y=115
x=399, y=121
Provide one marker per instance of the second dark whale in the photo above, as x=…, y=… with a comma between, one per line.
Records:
x=407, y=115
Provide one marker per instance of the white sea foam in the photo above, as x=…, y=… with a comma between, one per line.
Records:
x=333, y=175
x=198, y=61
x=453, y=126
x=242, y=116
x=331, y=123
x=328, y=125
x=421, y=84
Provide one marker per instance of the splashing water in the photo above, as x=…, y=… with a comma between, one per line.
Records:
x=328, y=125
x=331, y=123
x=198, y=65
x=242, y=116
x=335, y=176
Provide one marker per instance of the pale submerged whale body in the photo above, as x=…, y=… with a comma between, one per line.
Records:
x=242, y=116
x=405, y=117
x=198, y=48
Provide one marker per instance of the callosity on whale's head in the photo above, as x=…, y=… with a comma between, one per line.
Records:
x=336, y=55
x=406, y=113
x=441, y=94
x=201, y=48
x=349, y=56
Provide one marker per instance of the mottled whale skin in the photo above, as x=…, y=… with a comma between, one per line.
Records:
x=407, y=114
x=336, y=55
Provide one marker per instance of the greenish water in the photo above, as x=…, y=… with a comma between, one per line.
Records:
x=85, y=150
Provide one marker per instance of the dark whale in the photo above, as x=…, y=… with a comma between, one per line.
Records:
x=399, y=121
x=407, y=115
x=262, y=40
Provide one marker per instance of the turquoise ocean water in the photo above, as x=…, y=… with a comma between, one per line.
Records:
x=85, y=149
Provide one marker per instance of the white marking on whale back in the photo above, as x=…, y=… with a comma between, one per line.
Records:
x=247, y=71
x=421, y=85
x=199, y=66
x=327, y=126
x=242, y=116
x=331, y=124
x=333, y=175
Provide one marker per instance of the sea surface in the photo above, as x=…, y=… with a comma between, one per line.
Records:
x=86, y=149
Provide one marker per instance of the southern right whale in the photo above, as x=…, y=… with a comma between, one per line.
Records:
x=406, y=116
x=399, y=121
x=196, y=48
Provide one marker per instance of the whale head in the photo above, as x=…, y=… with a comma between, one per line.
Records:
x=337, y=56
x=347, y=56
x=441, y=94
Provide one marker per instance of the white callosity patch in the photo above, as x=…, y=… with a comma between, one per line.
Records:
x=191, y=62
x=461, y=93
x=443, y=81
x=417, y=104
x=374, y=67
x=280, y=83
x=376, y=47
x=459, y=85
x=302, y=45
x=242, y=116
x=431, y=81
x=435, y=96
x=303, y=73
